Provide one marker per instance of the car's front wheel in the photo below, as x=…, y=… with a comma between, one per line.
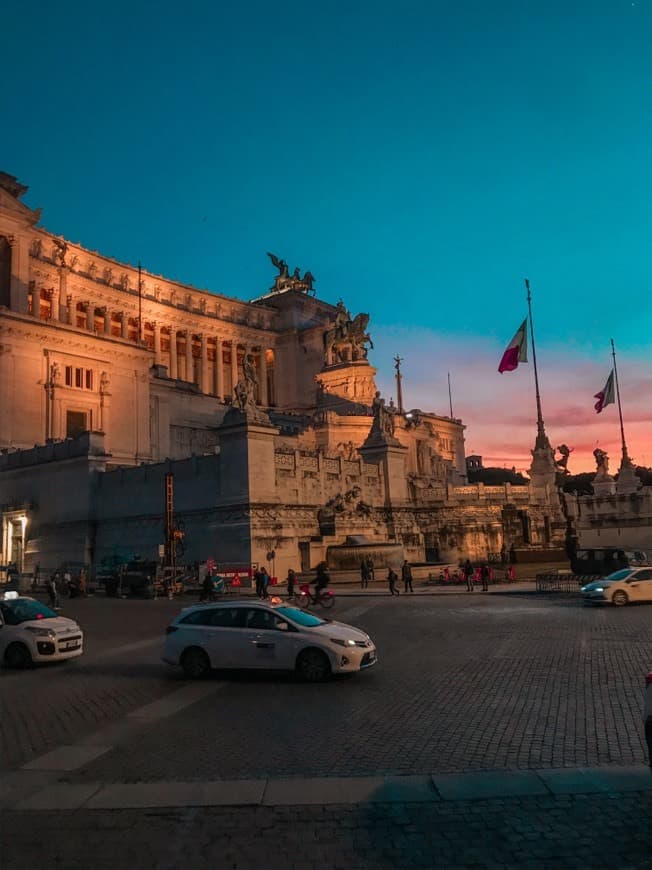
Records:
x=18, y=656
x=313, y=666
x=195, y=663
x=620, y=598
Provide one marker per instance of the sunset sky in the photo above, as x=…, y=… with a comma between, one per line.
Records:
x=421, y=159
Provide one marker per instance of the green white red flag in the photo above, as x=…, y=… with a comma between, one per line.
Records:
x=607, y=395
x=516, y=351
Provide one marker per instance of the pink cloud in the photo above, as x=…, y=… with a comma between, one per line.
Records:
x=499, y=411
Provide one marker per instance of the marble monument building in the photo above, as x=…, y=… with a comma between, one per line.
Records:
x=266, y=412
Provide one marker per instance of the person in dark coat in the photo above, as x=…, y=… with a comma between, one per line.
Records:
x=364, y=574
x=392, y=577
x=264, y=582
x=258, y=580
x=406, y=574
x=370, y=569
x=468, y=573
x=484, y=575
x=291, y=579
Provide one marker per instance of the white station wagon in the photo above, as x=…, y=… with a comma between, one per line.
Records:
x=622, y=587
x=31, y=633
x=260, y=635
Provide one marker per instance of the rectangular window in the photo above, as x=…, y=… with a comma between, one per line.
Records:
x=89, y=379
x=79, y=378
x=69, y=376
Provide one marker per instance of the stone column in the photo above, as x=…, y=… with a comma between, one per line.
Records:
x=107, y=322
x=19, y=282
x=54, y=304
x=90, y=316
x=157, y=343
x=234, y=364
x=219, y=371
x=204, y=386
x=174, y=370
x=189, y=366
x=264, y=399
x=70, y=312
x=125, y=325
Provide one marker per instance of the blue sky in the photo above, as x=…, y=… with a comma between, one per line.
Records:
x=420, y=159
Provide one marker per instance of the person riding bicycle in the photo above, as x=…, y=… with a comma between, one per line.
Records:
x=322, y=579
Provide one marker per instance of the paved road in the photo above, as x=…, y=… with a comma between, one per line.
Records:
x=478, y=683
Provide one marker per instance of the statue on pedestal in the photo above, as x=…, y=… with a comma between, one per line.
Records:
x=285, y=281
x=244, y=392
x=347, y=334
x=602, y=462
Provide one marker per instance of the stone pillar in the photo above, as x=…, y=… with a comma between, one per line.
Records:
x=234, y=364
x=264, y=400
x=54, y=304
x=107, y=322
x=157, y=343
x=19, y=282
x=174, y=369
x=219, y=370
x=125, y=325
x=204, y=385
x=189, y=367
x=70, y=313
x=90, y=316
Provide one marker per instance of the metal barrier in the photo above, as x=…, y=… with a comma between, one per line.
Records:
x=563, y=582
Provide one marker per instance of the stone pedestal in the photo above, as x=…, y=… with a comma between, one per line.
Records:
x=248, y=471
x=603, y=484
x=543, y=471
x=391, y=457
x=346, y=385
x=628, y=482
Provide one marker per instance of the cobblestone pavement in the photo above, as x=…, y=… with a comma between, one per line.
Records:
x=465, y=684
x=541, y=832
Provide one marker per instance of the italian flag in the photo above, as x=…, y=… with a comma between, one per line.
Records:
x=516, y=351
x=606, y=396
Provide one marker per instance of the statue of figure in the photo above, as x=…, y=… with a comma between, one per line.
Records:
x=347, y=338
x=562, y=464
x=342, y=320
x=602, y=461
x=104, y=382
x=309, y=280
x=383, y=425
x=281, y=265
x=296, y=275
x=54, y=374
x=59, y=251
x=245, y=389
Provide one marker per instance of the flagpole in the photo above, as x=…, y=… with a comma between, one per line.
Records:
x=450, y=395
x=140, y=304
x=620, y=410
x=542, y=438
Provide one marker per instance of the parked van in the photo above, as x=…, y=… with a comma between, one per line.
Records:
x=605, y=560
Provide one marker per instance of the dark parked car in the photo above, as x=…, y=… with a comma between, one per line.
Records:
x=604, y=560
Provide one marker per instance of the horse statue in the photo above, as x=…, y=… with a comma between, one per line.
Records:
x=348, y=334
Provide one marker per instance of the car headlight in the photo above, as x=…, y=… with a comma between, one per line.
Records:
x=599, y=589
x=40, y=632
x=340, y=642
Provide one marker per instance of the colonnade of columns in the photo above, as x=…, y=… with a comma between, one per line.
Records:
x=209, y=375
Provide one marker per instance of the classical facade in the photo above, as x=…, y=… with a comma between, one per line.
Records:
x=266, y=412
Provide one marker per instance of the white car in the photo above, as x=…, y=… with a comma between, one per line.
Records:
x=647, y=715
x=264, y=635
x=30, y=633
x=621, y=587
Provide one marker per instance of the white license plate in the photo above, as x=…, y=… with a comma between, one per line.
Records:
x=71, y=645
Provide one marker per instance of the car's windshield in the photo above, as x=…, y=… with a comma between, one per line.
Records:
x=299, y=616
x=623, y=574
x=23, y=610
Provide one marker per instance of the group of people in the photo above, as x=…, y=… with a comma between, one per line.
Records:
x=366, y=571
x=406, y=577
x=261, y=582
x=73, y=587
x=483, y=573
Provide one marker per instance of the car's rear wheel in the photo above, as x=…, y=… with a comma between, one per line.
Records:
x=18, y=656
x=195, y=663
x=313, y=666
x=620, y=598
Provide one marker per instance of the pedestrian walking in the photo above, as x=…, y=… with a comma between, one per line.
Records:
x=406, y=574
x=53, y=591
x=467, y=570
x=258, y=580
x=370, y=569
x=291, y=580
x=364, y=574
x=392, y=577
x=264, y=582
x=83, y=584
x=484, y=576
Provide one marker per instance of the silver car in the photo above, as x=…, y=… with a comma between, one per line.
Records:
x=626, y=586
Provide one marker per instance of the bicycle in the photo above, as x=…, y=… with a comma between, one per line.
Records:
x=325, y=597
